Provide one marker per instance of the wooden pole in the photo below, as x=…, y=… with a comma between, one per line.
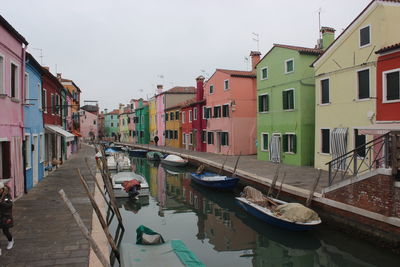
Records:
x=310, y=197
x=99, y=215
x=237, y=161
x=280, y=188
x=84, y=230
x=274, y=180
x=223, y=164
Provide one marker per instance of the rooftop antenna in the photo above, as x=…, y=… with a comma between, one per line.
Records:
x=319, y=23
x=205, y=74
x=41, y=54
x=256, y=38
x=246, y=60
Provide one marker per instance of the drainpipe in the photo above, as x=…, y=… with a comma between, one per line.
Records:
x=22, y=117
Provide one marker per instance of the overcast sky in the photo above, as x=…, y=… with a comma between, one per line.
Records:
x=116, y=50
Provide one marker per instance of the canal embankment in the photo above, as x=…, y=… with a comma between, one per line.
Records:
x=346, y=214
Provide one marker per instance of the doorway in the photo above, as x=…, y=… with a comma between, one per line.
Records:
x=35, y=161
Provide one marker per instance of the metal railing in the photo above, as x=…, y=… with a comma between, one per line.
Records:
x=372, y=155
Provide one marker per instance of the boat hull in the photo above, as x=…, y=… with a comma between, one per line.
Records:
x=257, y=212
x=139, y=153
x=227, y=184
x=174, y=163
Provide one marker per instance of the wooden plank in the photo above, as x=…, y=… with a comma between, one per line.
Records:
x=84, y=230
x=99, y=216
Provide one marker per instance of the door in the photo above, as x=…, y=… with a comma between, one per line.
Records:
x=35, y=160
x=218, y=143
x=275, y=148
x=187, y=141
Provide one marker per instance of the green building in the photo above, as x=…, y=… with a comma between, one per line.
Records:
x=142, y=123
x=285, y=105
x=111, y=124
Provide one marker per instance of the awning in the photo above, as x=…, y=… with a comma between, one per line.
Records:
x=76, y=133
x=379, y=128
x=58, y=130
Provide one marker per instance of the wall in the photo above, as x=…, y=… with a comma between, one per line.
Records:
x=89, y=124
x=152, y=119
x=187, y=127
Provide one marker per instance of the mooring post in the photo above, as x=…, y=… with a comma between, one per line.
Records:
x=310, y=197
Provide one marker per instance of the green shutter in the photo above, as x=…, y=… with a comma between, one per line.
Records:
x=267, y=103
x=260, y=104
x=285, y=143
x=294, y=143
x=285, y=99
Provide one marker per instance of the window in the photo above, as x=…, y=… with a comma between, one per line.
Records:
x=57, y=106
x=363, y=84
x=289, y=66
x=141, y=134
x=211, y=90
x=264, y=141
x=194, y=113
x=226, y=84
x=263, y=103
x=42, y=152
x=183, y=139
x=365, y=36
x=210, y=138
x=360, y=141
x=217, y=112
x=171, y=134
x=288, y=99
x=224, y=139
x=191, y=139
x=28, y=148
x=52, y=103
x=325, y=91
x=44, y=100
x=112, y=117
x=112, y=124
x=206, y=113
x=5, y=160
x=14, y=80
x=94, y=122
x=203, y=136
x=26, y=87
x=171, y=116
x=177, y=115
x=264, y=73
x=391, y=85
x=325, y=141
x=225, y=110
x=183, y=116
x=190, y=115
x=175, y=134
x=166, y=116
x=289, y=143
x=2, y=90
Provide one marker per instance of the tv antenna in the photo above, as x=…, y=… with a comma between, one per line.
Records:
x=205, y=74
x=256, y=38
x=41, y=54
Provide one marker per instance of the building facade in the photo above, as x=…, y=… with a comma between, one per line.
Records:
x=89, y=122
x=142, y=122
x=152, y=119
x=173, y=127
x=111, y=124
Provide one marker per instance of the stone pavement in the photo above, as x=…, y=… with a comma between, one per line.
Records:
x=301, y=177
x=45, y=232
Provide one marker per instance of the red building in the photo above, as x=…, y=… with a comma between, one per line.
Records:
x=200, y=124
x=187, y=124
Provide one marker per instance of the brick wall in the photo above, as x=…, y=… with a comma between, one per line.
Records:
x=376, y=194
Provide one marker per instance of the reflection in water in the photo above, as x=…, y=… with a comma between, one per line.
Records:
x=221, y=233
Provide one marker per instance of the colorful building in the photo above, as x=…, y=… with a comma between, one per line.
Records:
x=134, y=103
x=231, y=112
x=186, y=121
x=123, y=121
x=173, y=127
x=111, y=127
x=89, y=122
x=100, y=127
x=199, y=124
x=346, y=93
x=33, y=123
x=286, y=97
x=142, y=122
x=160, y=106
x=152, y=119
x=12, y=73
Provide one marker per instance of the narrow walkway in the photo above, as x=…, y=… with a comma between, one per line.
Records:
x=301, y=177
x=45, y=232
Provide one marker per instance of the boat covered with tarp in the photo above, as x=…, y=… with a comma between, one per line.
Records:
x=174, y=160
x=122, y=178
x=154, y=155
x=214, y=180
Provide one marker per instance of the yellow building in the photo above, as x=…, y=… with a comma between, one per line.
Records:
x=152, y=119
x=346, y=81
x=173, y=127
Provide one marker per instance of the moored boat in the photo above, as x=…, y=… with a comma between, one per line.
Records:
x=154, y=155
x=119, y=178
x=137, y=152
x=213, y=180
x=174, y=160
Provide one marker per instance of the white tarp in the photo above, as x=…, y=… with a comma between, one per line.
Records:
x=58, y=130
x=379, y=128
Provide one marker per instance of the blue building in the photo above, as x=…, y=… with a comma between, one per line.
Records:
x=34, y=142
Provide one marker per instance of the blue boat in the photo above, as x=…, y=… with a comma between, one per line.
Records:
x=268, y=216
x=214, y=180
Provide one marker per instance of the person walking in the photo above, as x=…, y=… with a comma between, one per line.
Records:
x=156, y=140
x=6, y=219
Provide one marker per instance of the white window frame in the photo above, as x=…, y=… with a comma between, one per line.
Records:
x=262, y=141
x=28, y=152
x=209, y=89
x=286, y=61
x=183, y=116
x=359, y=36
x=26, y=88
x=220, y=109
x=42, y=147
x=2, y=75
x=228, y=87
x=190, y=115
x=384, y=85
x=205, y=137
x=183, y=139
x=320, y=92
x=190, y=138
x=195, y=113
x=17, y=82
x=259, y=100
x=289, y=134
x=358, y=86
x=261, y=74
x=294, y=99
x=320, y=145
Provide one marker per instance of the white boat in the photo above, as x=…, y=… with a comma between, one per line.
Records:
x=120, y=177
x=123, y=162
x=111, y=163
x=174, y=160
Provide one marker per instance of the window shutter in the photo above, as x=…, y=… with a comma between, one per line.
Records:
x=285, y=143
x=260, y=104
x=294, y=143
x=285, y=99
x=291, y=99
x=267, y=103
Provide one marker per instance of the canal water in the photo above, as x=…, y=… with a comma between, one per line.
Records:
x=220, y=233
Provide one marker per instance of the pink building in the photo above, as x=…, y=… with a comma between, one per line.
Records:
x=231, y=111
x=131, y=123
x=160, y=104
x=12, y=98
x=89, y=122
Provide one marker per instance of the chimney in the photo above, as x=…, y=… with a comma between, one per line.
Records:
x=105, y=111
x=46, y=68
x=59, y=76
x=255, y=58
x=328, y=36
x=159, y=89
x=200, y=88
